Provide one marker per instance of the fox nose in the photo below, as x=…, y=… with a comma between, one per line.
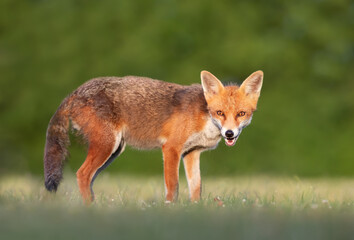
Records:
x=229, y=133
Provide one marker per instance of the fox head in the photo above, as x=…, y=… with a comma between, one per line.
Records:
x=231, y=107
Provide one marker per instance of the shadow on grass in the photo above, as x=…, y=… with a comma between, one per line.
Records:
x=189, y=223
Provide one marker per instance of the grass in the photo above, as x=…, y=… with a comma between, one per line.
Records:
x=128, y=207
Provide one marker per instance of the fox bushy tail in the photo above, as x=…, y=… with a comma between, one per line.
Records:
x=55, y=152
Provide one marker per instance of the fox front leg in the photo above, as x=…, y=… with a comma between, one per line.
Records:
x=192, y=169
x=171, y=159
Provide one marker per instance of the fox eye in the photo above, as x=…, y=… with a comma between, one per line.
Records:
x=219, y=113
x=241, y=114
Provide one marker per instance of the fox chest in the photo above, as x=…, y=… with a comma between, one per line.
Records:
x=208, y=138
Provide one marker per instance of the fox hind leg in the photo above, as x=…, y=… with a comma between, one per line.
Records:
x=103, y=149
x=114, y=155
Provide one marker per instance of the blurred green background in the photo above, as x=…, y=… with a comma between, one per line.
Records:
x=304, y=125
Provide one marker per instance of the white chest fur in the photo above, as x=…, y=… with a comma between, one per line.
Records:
x=208, y=138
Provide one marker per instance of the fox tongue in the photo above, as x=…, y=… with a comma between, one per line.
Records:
x=230, y=142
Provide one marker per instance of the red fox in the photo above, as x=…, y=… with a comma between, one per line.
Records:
x=110, y=112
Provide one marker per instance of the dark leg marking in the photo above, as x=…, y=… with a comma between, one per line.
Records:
x=106, y=164
x=192, y=149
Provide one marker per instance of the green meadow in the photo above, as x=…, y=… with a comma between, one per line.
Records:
x=127, y=207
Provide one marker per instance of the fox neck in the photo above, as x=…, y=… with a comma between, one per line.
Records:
x=207, y=138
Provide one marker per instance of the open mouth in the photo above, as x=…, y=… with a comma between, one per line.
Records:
x=230, y=141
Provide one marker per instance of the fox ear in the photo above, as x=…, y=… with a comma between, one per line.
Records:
x=253, y=84
x=211, y=85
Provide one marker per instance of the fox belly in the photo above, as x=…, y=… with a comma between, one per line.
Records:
x=142, y=141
